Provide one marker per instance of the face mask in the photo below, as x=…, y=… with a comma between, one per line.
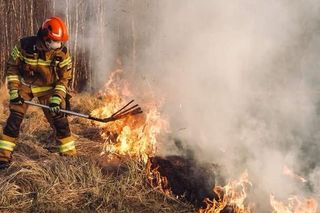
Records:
x=53, y=45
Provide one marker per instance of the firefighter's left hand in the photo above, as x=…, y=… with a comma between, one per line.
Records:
x=15, y=97
x=54, y=104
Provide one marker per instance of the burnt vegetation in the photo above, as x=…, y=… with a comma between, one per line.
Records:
x=187, y=179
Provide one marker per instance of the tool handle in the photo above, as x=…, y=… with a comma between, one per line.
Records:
x=118, y=116
x=61, y=110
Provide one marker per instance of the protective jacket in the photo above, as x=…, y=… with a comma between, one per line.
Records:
x=44, y=71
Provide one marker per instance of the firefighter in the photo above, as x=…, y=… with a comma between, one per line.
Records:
x=39, y=67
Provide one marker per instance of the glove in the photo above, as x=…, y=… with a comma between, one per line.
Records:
x=15, y=98
x=54, y=104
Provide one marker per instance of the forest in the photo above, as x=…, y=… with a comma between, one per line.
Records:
x=84, y=19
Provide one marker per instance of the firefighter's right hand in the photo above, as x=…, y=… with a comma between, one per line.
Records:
x=54, y=104
x=15, y=97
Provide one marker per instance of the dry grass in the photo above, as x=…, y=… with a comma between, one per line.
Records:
x=39, y=180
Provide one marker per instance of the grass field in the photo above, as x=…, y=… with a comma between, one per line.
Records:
x=40, y=180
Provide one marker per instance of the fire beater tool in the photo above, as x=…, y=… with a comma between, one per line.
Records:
x=121, y=113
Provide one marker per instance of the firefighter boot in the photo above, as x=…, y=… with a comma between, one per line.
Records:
x=64, y=138
x=67, y=146
x=10, y=133
x=7, y=145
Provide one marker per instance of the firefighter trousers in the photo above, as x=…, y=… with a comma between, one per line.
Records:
x=58, y=121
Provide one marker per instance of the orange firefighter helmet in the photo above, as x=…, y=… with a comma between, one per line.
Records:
x=55, y=29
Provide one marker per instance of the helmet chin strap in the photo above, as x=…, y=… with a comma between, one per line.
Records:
x=53, y=45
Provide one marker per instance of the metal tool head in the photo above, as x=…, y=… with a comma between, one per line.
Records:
x=122, y=113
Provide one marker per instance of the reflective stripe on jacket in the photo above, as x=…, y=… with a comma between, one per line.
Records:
x=33, y=64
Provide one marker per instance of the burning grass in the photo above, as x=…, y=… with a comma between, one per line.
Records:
x=110, y=173
x=294, y=205
x=117, y=169
x=39, y=180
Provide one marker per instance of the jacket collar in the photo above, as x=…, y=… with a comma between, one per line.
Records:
x=44, y=51
x=41, y=46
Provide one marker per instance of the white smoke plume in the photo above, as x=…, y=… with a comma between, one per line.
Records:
x=240, y=80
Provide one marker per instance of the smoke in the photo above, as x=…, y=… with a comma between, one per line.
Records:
x=239, y=78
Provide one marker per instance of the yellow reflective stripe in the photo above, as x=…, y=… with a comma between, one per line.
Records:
x=13, y=94
x=61, y=88
x=65, y=62
x=45, y=63
x=7, y=145
x=15, y=50
x=55, y=100
x=67, y=146
x=15, y=53
x=30, y=61
x=13, y=78
x=40, y=89
x=36, y=62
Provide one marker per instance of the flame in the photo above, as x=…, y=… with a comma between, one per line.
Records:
x=295, y=205
x=138, y=137
x=133, y=136
x=157, y=181
x=232, y=195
